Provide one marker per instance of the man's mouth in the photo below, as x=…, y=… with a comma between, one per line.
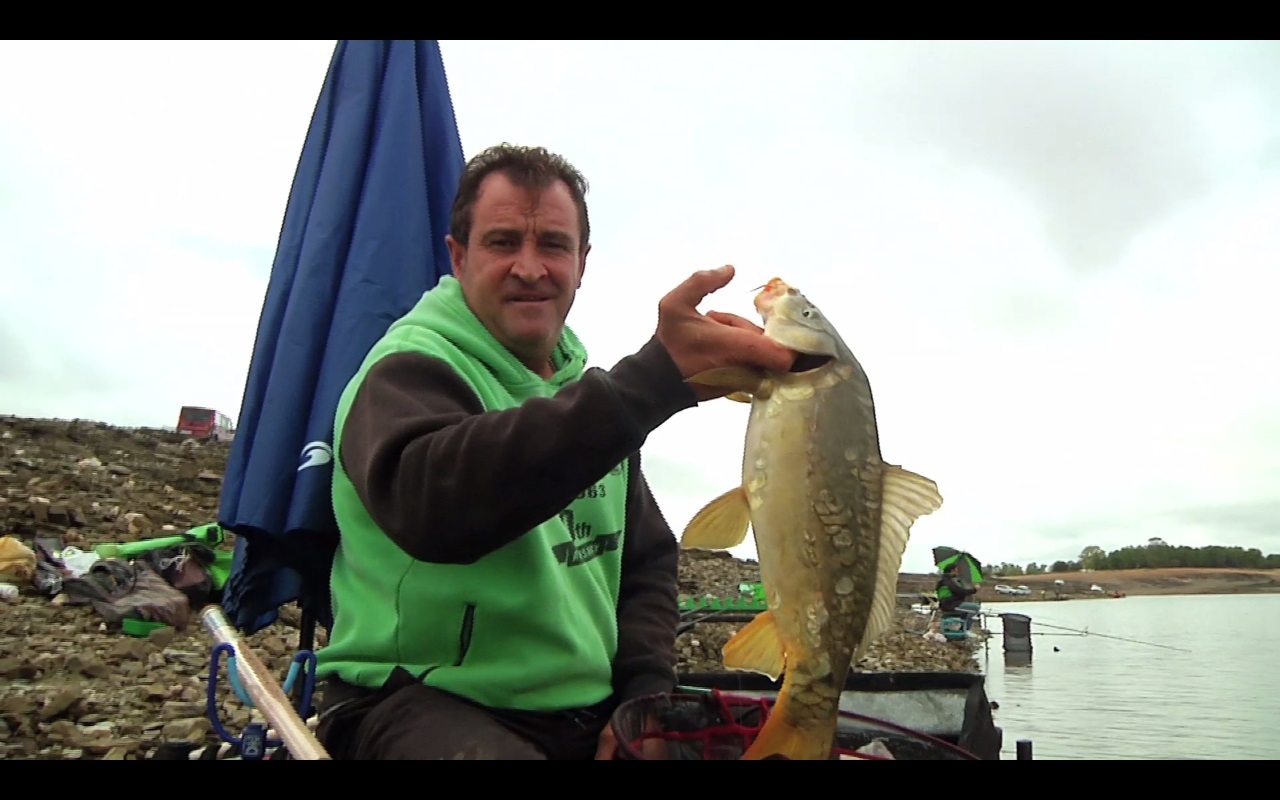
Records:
x=527, y=298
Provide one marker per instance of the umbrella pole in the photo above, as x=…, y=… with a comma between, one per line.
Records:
x=265, y=692
x=306, y=643
x=307, y=631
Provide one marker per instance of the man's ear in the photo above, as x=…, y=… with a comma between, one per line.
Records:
x=457, y=254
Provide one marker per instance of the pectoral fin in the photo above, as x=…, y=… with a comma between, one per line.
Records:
x=739, y=397
x=720, y=524
x=757, y=648
x=741, y=380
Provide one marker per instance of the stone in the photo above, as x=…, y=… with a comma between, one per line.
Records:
x=127, y=650
x=19, y=668
x=190, y=730
x=91, y=668
x=57, y=514
x=17, y=705
x=63, y=702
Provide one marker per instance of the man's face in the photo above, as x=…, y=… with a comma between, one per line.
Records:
x=523, y=265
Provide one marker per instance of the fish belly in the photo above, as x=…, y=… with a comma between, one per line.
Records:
x=810, y=516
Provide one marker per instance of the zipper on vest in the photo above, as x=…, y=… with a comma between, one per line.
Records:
x=464, y=636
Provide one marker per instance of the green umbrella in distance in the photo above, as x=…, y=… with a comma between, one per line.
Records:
x=969, y=568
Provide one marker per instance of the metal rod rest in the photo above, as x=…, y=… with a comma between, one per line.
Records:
x=265, y=691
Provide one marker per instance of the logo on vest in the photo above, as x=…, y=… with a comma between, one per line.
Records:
x=583, y=545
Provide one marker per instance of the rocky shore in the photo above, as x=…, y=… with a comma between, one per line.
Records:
x=718, y=575
x=72, y=687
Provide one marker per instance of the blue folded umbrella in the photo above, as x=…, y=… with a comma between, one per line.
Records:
x=362, y=239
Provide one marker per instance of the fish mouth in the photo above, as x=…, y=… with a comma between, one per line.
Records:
x=769, y=294
x=807, y=362
x=764, y=302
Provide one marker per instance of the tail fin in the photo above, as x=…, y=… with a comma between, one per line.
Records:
x=779, y=737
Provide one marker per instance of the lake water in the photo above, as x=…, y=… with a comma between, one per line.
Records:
x=1102, y=699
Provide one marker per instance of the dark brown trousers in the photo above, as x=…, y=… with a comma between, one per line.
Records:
x=407, y=720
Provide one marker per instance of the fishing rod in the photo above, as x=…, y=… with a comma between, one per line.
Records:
x=1079, y=632
x=690, y=619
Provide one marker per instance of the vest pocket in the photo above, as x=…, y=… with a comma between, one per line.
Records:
x=464, y=635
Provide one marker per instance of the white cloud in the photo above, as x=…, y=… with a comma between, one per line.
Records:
x=1055, y=261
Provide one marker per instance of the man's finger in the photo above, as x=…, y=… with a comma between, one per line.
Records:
x=699, y=285
x=605, y=749
x=767, y=353
x=735, y=321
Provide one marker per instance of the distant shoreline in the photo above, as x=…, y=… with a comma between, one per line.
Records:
x=1129, y=582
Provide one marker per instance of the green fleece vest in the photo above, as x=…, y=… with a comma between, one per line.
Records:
x=530, y=626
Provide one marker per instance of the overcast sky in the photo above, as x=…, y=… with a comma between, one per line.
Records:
x=1057, y=262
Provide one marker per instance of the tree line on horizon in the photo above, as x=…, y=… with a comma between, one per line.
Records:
x=1155, y=554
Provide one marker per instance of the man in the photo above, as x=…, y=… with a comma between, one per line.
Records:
x=504, y=578
x=952, y=593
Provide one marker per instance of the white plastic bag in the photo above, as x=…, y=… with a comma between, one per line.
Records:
x=78, y=562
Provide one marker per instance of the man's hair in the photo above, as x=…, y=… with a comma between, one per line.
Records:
x=531, y=168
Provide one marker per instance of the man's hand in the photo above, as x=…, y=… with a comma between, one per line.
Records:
x=699, y=342
x=651, y=749
x=608, y=744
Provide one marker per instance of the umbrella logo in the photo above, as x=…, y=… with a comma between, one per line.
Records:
x=316, y=454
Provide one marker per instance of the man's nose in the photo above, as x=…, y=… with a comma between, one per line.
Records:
x=528, y=266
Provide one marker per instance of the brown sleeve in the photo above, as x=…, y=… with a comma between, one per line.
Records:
x=647, y=605
x=450, y=483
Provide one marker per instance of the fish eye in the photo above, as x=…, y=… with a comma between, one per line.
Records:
x=808, y=312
